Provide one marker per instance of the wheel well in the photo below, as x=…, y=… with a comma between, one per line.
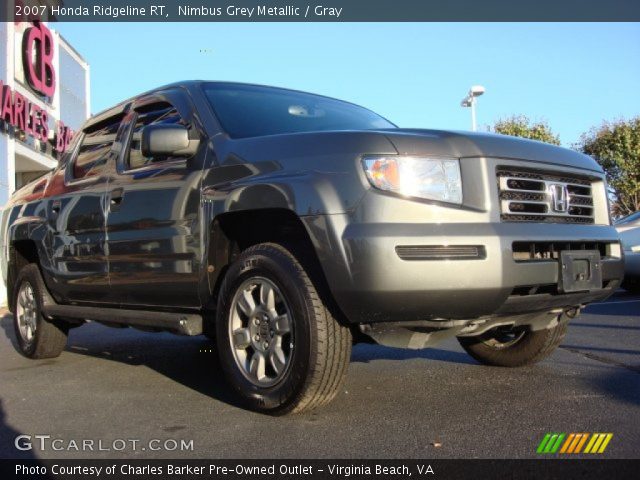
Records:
x=234, y=232
x=21, y=253
x=277, y=225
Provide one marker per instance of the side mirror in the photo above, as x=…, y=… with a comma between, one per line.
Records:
x=167, y=141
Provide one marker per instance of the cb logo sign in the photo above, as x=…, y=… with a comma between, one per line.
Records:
x=37, y=59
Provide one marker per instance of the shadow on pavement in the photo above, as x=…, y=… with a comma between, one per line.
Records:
x=604, y=325
x=602, y=349
x=6, y=321
x=189, y=361
x=613, y=310
x=623, y=385
x=7, y=441
x=364, y=353
x=621, y=304
x=192, y=361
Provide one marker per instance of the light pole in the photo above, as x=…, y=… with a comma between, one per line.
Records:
x=470, y=101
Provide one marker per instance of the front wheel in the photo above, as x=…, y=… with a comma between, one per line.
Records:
x=513, y=347
x=279, y=345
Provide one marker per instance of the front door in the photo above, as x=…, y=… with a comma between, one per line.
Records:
x=153, y=222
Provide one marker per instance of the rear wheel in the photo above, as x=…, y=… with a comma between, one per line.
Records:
x=279, y=345
x=513, y=346
x=37, y=337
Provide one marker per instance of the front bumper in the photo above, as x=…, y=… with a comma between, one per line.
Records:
x=371, y=283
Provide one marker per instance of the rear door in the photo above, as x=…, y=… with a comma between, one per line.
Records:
x=153, y=220
x=77, y=215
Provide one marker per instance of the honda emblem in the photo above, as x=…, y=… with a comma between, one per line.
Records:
x=559, y=198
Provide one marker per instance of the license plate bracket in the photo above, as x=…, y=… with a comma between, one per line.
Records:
x=580, y=271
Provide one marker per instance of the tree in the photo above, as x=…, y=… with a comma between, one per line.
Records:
x=616, y=147
x=521, y=126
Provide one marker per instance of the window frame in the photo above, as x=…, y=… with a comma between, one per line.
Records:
x=70, y=177
x=172, y=98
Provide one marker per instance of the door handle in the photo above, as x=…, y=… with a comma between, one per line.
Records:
x=56, y=205
x=115, y=199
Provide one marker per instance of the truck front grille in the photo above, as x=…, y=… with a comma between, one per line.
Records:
x=534, y=251
x=543, y=197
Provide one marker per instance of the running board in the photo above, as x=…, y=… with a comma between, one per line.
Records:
x=180, y=323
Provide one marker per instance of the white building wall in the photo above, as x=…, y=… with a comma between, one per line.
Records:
x=7, y=149
x=20, y=162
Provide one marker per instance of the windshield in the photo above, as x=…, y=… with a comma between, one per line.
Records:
x=253, y=111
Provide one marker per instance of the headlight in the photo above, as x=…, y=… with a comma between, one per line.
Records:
x=422, y=177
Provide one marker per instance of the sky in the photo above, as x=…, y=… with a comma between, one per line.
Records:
x=573, y=76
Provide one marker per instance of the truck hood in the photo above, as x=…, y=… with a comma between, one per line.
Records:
x=471, y=144
x=33, y=190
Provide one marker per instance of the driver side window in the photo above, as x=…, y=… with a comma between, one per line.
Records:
x=154, y=114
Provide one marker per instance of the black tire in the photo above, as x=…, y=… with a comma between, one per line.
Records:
x=320, y=347
x=50, y=337
x=528, y=348
x=631, y=285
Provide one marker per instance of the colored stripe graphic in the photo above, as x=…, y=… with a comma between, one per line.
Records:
x=551, y=443
x=581, y=443
x=567, y=442
x=598, y=442
x=543, y=443
x=572, y=443
x=606, y=441
x=556, y=446
x=593, y=439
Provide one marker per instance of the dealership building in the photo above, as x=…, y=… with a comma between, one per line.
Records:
x=44, y=99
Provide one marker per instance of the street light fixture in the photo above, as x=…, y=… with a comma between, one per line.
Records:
x=470, y=101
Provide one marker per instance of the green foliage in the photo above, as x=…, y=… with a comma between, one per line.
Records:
x=521, y=126
x=616, y=146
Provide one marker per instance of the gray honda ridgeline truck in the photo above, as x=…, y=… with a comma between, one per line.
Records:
x=288, y=226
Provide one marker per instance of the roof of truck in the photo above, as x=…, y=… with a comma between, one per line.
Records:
x=120, y=107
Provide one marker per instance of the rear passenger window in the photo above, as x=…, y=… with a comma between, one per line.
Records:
x=154, y=114
x=95, y=148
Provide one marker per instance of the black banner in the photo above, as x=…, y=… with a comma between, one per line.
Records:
x=321, y=11
x=319, y=469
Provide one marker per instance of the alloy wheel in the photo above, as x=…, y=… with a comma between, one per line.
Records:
x=27, y=312
x=261, y=331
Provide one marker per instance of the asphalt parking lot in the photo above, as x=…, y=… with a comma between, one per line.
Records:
x=113, y=384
